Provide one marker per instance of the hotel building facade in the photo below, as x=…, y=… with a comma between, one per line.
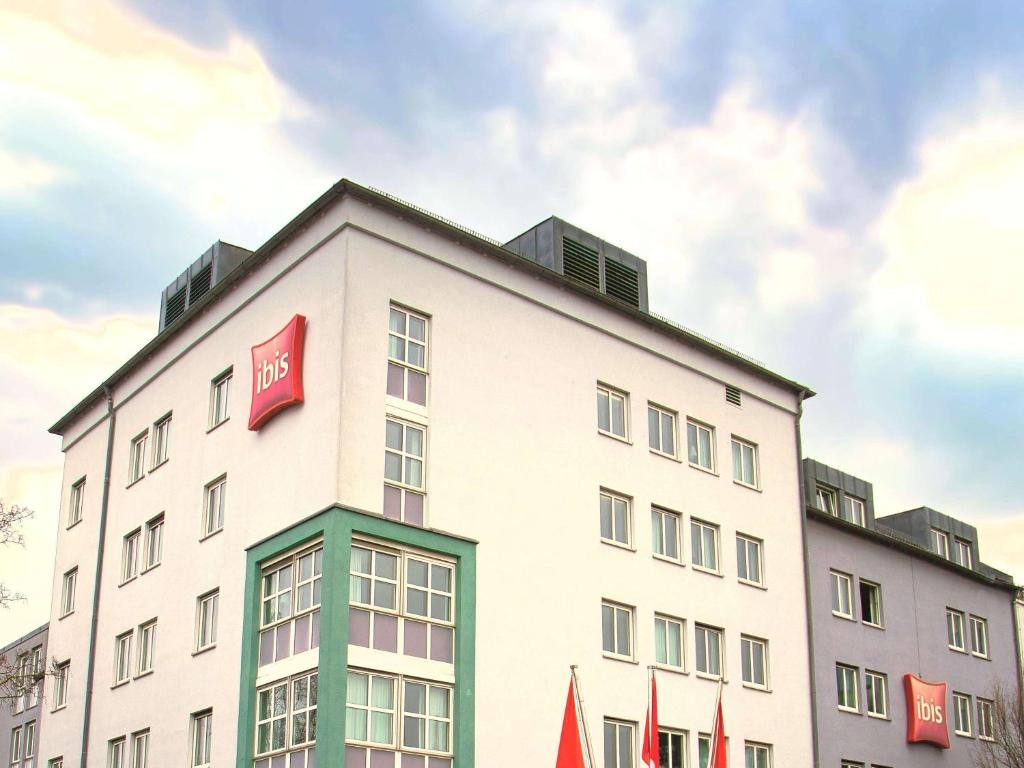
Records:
x=354, y=505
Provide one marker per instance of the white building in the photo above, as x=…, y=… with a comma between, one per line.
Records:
x=197, y=593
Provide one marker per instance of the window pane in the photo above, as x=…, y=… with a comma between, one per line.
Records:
x=653, y=431
x=608, y=628
x=705, y=448
x=606, y=517
x=671, y=536
x=603, y=422
x=618, y=423
x=668, y=438
x=737, y=471
x=691, y=442
x=657, y=533
x=622, y=631
x=660, y=639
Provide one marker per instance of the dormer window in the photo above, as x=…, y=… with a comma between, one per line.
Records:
x=940, y=543
x=825, y=499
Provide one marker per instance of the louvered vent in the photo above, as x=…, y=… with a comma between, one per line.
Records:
x=200, y=284
x=621, y=282
x=732, y=395
x=580, y=263
x=175, y=306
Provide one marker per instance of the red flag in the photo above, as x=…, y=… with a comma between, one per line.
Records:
x=570, y=747
x=650, y=753
x=718, y=753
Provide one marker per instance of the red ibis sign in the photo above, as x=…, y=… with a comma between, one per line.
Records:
x=277, y=372
x=926, y=711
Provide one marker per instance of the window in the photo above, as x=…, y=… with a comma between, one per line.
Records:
x=154, y=542
x=206, y=620
x=403, y=454
x=370, y=708
x=611, y=412
x=986, y=730
x=703, y=750
x=709, y=650
x=615, y=519
x=757, y=755
x=147, y=646
x=871, y=603
x=825, y=499
x=668, y=641
x=846, y=687
x=427, y=717
x=374, y=578
x=617, y=630
x=202, y=739
x=286, y=714
x=130, y=556
x=940, y=543
x=140, y=749
x=67, y=592
x=60, y=685
x=220, y=390
x=853, y=510
x=955, y=630
x=963, y=553
x=303, y=703
x=428, y=589
x=16, y=736
x=700, y=442
x=671, y=749
x=842, y=594
x=35, y=680
x=116, y=753
x=161, y=442
x=290, y=605
x=704, y=545
x=214, y=499
x=57, y=762
x=851, y=764
x=754, y=657
x=661, y=430
x=979, y=636
x=21, y=674
x=748, y=559
x=665, y=534
x=407, y=356
x=876, y=694
x=122, y=658
x=76, y=502
x=744, y=462
x=962, y=714
x=618, y=744
x=30, y=744
x=137, y=458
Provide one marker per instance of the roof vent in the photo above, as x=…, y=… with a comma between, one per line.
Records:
x=732, y=395
x=585, y=259
x=196, y=281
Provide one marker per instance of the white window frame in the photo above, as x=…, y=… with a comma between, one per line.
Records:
x=60, y=685
x=962, y=707
x=139, y=753
x=979, y=631
x=433, y=595
x=940, y=543
x=964, y=555
x=378, y=580
x=153, y=551
x=394, y=711
x=405, y=455
x=623, y=730
x=986, y=723
x=739, y=447
x=757, y=749
x=427, y=717
x=675, y=756
x=956, y=621
x=615, y=610
x=876, y=589
x=659, y=527
x=117, y=751
x=606, y=398
x=207, y=606
x=161, y=441
x=662, y=625
x=220, y=398
x=614, y=499
x=826, y=499
x=69, y=584
x=270, y=693
x=146, y=647
x=76, y=502
x=837, y=579
x=31, y=736
x=875, y=682
x=707, y=657
x=130, y=555
x=137, y=458
x=854, y=510
x=657, y=419
x=123, y=658
x=201, y=738
x=16, y=745
x=853, y=688
x=399, y=342
x=35, y=668
x=214, y=504
x=56, y=762
x=746, y=544
x=695, y=428
x=295, y=710
x=698, y=554
x=748, y=657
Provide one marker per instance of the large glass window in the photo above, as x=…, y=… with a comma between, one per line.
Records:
x=618, y=744
x=871, y=603
x=286, y=714
x=754, y=658
x=853, y=510
x=986, y=729
x=612, y=409
x=748, y=559
x=427, y=717
x=665, y=534
x=661, y=430
x=708, y=641
x=202, y=739
x=615, y=519
x=370, y=708
x=700, y=445
x=404, y=448
x=757, y=755
x=744, y=462
x=842, y=594
x=962, y=714
x=617, y=630
x=668, y=641
x=940, y=543
x=877, y=694
x=407, y=355
x=846, y=687
x=825, y=499
x=955, y=630
x=704, y=545
x=672, y=749
x=290, y=605
x=979, y=636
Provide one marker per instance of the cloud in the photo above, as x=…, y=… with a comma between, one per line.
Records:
x=22, y=177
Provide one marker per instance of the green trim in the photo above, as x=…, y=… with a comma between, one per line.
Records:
x=337, y=525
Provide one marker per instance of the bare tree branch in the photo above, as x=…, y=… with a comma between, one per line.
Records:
x=1007, y=748
x=11, y=518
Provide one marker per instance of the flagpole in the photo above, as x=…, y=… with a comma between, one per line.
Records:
x=583, y=715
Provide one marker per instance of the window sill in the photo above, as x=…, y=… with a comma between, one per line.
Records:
x=669, y=456
x=152, y=567
x=618, y=545
x=979, y=656
x=65, y=615
x=72, y=525
x=957, y=650
x=708, y=571
x=670, y=560
x=673, y=670
x=204, y=649
x=713, y=678
x=623, y=659
x=754, y=584
x=210, y=535
x=985, y=738
x=157, y=466
x=225, y=420
x=617, y=438
x=849, y=711
x=120, y=684
x=748, y=486
x=963, y=735
x=755, y=687
x=705, y=470
x=873, y=716
x=58, y=709
x=141, y=675
x=136, y=480
x=872, y=625
x=127, y=581
x=843, y=616
x=402, y=408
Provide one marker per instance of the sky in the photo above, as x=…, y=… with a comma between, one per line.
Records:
x=831, y=187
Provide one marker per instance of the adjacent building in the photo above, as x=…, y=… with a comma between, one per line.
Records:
x=898, y=603
x=373, y=487
x=25, y=658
